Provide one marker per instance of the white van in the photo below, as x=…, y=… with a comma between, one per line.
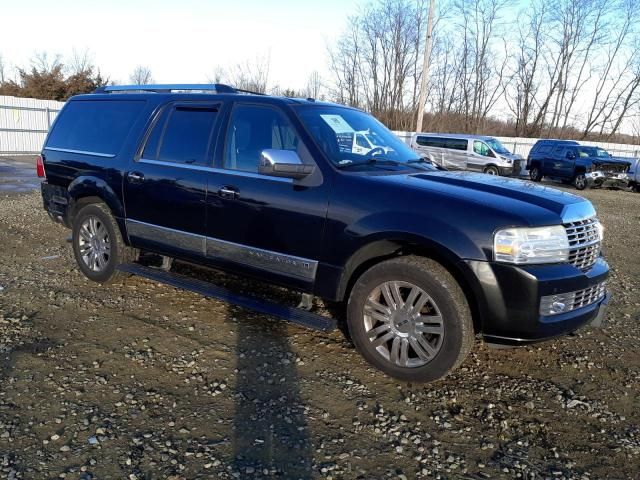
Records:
x=467, y=152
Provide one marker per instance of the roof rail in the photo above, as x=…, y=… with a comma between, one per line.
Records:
x=169, y=88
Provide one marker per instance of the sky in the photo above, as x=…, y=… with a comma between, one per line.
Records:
x=181, y=41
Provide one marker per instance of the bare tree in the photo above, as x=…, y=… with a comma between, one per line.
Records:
x=42, y=62
x=252, y=76
x=314, y=85
x=79, y=61
x=141, y=75
x=2, y=69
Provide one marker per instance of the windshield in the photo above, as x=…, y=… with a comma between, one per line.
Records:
x=496, y=146
x=593, y=152
x=335, y=128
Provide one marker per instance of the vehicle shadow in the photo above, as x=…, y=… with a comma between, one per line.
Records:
x=270, y=430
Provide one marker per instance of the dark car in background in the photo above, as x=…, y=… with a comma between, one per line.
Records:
x=581, y=165
x=269, y=188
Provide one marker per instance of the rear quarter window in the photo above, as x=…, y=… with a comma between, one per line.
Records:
x=95, y=126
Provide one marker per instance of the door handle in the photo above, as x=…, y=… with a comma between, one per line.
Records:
x=135, y=177
x=228, y=192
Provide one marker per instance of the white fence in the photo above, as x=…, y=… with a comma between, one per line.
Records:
x=24, y=123
x=523, y=145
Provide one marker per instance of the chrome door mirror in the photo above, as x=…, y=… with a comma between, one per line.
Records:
x=283, y=163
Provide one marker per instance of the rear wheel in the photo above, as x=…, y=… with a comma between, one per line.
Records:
x=491, y=170
x=409, y=318
x=535, y=173
x=97, y=244
x=580, y=181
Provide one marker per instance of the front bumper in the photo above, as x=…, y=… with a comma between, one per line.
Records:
x=607, y=179
x=511, y=170
x=509, y=300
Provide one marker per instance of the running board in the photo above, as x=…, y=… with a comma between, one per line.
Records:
x=290, y=314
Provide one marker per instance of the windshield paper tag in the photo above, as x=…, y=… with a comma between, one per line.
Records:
x=337, y=123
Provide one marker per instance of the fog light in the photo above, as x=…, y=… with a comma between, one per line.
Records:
x=557, y=307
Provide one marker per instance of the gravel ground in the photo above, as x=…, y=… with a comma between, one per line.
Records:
x=138, y=380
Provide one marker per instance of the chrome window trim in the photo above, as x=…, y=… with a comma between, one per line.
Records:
x=268, y=260
x=81, y=152
x=202, y=168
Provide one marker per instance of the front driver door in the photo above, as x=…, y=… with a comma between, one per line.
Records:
x=265, y=226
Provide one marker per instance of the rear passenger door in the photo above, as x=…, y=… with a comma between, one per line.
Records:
x=553, y=161
x=165, y=187
x=266, y=226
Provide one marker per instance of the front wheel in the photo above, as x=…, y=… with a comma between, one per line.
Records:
x=535, y=174
x=97, y=244
x=409, y=318
x=491, y=170
x=580, y=181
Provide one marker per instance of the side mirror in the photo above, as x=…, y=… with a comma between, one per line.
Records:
x=283, y=163
x=571, y=156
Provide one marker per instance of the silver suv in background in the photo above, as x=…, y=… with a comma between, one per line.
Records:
x=467, y=152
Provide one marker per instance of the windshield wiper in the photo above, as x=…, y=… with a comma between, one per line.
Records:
x=370, y=161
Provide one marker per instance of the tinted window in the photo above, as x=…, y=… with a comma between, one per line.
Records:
x=153, y=141
x=186, y=135
x=253, y=129
x=557, y=151
x=98, y=126
x=456, y=144
x=431, y=142
x=361, y=142
x=544, y=149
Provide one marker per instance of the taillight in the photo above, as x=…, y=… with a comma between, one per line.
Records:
x=40, y=167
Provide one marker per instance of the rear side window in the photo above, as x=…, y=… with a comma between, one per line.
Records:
x=95, y=126
x=456, y=144
x=557, y=151
x=181, y=135
x=544, y=149
x=431, y=142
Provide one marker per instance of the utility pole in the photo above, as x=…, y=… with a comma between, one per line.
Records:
x=425, y=67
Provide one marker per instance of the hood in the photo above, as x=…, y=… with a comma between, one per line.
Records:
x=514, y=200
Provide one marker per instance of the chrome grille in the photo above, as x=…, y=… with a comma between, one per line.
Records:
x=567, y=302
x=584, y=242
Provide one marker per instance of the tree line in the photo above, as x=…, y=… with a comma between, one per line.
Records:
x=561, y=68
x=540, y=68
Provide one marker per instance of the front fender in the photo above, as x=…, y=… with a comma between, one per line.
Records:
x=91, y=186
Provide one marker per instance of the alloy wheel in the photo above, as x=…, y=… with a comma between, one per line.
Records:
x=403, y=324
x=94, y=244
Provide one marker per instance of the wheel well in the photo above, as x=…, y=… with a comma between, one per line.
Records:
x=404, y=249
x=78, y=203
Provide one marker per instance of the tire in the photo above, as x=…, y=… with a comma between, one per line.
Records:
x=491, y=170
x=97, y=244
x=535, y=173
x=391, y=339
x=580, y=181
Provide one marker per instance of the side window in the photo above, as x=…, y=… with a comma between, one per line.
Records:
x=481, y=148
x=456, y=144
x=360, y=141
x=95, y=126
x=252, y=129
x=544, y=150
x=424, y=141
x=150, y=151
x=570, y=153
x=186, y=135
x=557, y=151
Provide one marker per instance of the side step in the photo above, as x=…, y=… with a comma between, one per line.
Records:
x=293, y=315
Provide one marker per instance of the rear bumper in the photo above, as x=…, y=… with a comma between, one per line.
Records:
x=510, y=306
x=56, y=202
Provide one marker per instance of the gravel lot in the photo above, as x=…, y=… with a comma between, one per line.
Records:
x=138, y=380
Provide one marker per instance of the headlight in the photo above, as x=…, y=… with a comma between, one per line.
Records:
x=508, y=160
x=531, y=245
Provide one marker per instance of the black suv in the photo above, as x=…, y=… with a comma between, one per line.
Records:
x=271, y=188
x=570, y=162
